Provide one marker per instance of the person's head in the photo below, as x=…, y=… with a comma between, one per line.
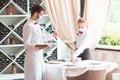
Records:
x=82, y=22
x=37, y=11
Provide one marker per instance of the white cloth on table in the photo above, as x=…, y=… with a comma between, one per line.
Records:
x=60, y=71
x=53, y=72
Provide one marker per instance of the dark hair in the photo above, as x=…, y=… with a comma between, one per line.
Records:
x=36, y=8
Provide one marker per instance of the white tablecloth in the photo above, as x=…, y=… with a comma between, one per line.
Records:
x=61, y=70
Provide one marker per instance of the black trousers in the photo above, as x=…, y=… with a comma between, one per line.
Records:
x=86, y=55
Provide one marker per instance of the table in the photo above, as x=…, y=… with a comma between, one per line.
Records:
x=60, y=70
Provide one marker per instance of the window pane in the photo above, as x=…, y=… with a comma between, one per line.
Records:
x=111, y=35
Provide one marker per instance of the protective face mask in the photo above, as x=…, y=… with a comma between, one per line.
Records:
x=39, y=19
x=81, y=30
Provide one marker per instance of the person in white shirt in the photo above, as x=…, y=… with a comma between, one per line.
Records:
x=83, y=41
x=33, y=67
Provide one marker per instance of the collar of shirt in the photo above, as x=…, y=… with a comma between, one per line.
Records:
x=34, y=22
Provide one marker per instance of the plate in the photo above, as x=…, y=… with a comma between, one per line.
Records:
x=69, y=64
x=54, y=62
x=95, y=63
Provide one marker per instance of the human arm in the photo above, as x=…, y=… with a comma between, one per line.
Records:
x=41, y=46
x=83, y=44
x=54, y=34
x=28, y=31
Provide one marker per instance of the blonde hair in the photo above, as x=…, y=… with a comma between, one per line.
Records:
x=82, y=20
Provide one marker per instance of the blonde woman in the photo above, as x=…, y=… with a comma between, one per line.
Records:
x=83, y=41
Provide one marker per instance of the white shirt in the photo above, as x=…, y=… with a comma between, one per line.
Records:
x=83, y=41
x=31, y=34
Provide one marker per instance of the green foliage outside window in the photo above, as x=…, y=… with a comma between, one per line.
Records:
x=111, y=35
x=109, y=40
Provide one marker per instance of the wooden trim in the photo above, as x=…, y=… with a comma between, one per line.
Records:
x=108, y=47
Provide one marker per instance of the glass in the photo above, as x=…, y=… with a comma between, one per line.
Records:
x=10, y=9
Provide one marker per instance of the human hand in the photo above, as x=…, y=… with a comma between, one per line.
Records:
x=72, y=59
x=54, y=34
x=41, y=46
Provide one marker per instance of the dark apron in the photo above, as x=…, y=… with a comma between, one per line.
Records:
x=86, y=55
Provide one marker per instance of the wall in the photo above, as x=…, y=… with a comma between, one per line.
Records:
x=107, y=55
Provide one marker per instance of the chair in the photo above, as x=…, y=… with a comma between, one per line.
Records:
x=109, y=75
x=97, y=75
x=80, y=77
x=90, y=75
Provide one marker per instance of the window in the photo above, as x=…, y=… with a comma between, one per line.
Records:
x=111, y=34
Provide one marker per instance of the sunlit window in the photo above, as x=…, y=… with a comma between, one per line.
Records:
x=111, y=34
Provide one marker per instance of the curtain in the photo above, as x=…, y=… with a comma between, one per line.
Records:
x=96, y=12
x=63, y=15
